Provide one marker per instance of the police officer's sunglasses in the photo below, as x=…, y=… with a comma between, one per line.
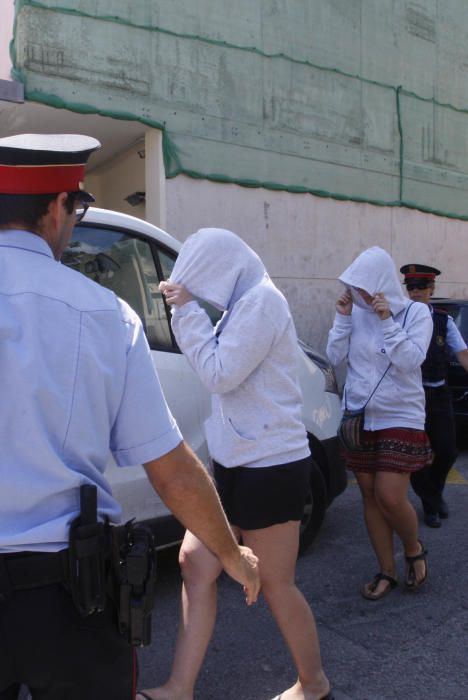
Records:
x=410, y=286
x=80, y=211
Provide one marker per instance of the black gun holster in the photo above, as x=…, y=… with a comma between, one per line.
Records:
x=119, y=562
x=134, y=567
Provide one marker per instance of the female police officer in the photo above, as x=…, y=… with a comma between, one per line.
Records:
x=440, y=421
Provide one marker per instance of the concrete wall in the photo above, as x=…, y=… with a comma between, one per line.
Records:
x=112, y=182
x=307, y=241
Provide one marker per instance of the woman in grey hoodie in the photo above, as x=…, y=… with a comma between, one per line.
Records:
x=383, y=338
x=258, y=443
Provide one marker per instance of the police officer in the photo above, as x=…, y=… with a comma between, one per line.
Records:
x=77, y=384
x=440, y=422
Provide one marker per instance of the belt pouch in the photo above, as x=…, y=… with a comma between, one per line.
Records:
x=87, y=565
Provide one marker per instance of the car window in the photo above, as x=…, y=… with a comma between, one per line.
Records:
x=126, y=265
x=167, y=261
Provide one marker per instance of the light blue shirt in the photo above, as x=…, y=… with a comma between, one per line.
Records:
x=77, y=384
x=454, y=337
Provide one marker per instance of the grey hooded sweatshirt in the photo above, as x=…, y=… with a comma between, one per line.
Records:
x=249, y=360
x=368, y=345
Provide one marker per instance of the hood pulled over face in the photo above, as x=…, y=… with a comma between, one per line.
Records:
x=217, y=266
x=374, y=271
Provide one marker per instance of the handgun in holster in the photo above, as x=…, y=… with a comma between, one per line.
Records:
x=137, y=577
x=87, y=556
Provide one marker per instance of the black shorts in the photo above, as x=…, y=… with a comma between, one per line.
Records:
x=46, y=645
x=258, y=497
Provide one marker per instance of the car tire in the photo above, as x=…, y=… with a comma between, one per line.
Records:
x=314, y=509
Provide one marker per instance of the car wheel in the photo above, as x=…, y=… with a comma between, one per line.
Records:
x=314, y=509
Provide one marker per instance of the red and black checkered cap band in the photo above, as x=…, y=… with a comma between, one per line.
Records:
x=420, y=276
x=41, y=179
x=418, y=272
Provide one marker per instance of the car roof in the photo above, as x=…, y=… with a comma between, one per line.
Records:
x=106, y=217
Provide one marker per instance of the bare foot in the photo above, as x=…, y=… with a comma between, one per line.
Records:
x=380, y=585
x=150, y=695
x=162, y=693
x=298, y=692
x=416, y=568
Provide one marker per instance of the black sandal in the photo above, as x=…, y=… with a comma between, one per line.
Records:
x=368, y=591
x=410, y=582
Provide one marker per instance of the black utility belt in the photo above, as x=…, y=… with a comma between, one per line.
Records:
x=20, y=571
x=101, y=562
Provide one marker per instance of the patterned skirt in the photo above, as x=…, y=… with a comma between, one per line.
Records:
x=402, y=450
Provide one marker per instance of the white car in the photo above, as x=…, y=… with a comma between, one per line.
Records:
x=131, y=257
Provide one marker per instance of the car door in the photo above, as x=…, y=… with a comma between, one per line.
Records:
x=132, y=265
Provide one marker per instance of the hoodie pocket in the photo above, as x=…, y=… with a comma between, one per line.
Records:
x=237, y=433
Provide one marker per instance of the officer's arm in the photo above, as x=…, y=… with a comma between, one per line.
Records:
x=462, y=358
x=187, y=490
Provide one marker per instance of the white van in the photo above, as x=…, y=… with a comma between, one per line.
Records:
x=131, y=257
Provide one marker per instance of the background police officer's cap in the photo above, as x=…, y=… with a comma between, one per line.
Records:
x=419, y=273
x=45, y=164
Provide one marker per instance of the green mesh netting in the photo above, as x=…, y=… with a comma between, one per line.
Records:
x=241, y=98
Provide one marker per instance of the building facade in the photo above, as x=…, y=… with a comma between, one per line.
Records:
x=313, y=129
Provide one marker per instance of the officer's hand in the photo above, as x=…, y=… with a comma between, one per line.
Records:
x=344, y=303
x=245, y=571
x=381, y=306
x=175, y=294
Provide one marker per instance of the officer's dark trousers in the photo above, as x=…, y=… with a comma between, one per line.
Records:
x=440, y=428
x=47, y=646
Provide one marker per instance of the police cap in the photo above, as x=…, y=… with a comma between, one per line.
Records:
x=45, y=164
x=419, y=273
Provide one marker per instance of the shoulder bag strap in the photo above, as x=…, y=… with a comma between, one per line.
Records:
x=389, y=364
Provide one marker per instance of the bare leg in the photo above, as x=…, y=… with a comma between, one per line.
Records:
x=379, y=529
x=277, y=547
x=200, y=569
x=387, y=509
x=391, y=492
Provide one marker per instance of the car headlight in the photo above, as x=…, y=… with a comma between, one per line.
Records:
x=331, y=385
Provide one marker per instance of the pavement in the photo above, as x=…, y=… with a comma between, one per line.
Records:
x=410, y=646
x=407, y=646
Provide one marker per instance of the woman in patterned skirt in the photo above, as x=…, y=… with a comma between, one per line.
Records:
x=383, y=338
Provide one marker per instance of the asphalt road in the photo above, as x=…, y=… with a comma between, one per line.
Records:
x=406, y=646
